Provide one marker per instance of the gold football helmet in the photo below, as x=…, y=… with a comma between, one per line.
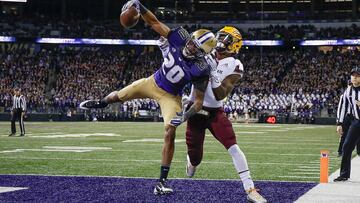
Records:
x=229, y=40
x=201, y=42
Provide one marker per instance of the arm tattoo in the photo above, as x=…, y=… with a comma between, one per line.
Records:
x=189, y=113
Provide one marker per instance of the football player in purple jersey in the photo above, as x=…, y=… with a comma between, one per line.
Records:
x=185, y=61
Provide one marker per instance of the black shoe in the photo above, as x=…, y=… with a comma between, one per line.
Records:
x=22, y=135
x=162, y=189
x=11, y=134
x=340, y=179
x=89, y=104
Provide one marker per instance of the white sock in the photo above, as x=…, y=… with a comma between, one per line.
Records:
x=241, y=166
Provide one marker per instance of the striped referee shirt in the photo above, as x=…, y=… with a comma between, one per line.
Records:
x=349, y=104
x=19, y=102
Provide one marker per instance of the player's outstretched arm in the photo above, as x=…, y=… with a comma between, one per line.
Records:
x=225, y=87
x=151, y=20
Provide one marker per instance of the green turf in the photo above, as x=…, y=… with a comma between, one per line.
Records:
x=274, y=152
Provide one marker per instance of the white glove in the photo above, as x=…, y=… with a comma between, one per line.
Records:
x=214, y=78
x=135, y=3
x=177, y=120
x=163, y=45
x=210, y=59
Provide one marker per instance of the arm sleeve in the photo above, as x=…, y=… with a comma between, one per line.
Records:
x=342, y=108
x=23, y=100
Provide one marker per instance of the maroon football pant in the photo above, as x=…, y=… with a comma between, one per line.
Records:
x=218, y=124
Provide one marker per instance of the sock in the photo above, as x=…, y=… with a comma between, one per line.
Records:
x=164, y=171
x=241, y=166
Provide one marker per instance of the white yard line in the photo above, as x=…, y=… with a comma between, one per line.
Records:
x=302, y=177
x=149, y=160
x=11, y=189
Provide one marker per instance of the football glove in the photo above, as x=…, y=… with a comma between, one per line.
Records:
x=135, y=3
x=178, y=119
x=163, y=45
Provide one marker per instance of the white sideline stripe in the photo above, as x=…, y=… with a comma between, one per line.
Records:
x=304, y=177
x=250, y=132
x=336, y=192
x=149, y=160
x=11, y=189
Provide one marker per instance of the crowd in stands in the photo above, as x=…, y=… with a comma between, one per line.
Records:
x=302, y=82
x=43, y=26
x=27, y=70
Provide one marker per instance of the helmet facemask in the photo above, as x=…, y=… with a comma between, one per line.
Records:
x=192, y=51
x=229, y=40
x=224, y=40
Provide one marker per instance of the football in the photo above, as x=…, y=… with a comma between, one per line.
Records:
x=129, y=17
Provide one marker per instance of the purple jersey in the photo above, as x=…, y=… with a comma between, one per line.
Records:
x=176, y=71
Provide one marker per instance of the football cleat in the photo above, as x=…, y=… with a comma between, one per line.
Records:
x=162, y=189
x=340, y=179
x=190, y=169
x=254, y=196
x=89, y=104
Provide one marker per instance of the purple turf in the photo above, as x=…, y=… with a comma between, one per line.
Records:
x=109, y=189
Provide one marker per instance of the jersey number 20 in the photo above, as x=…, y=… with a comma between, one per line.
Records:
x=174, y=73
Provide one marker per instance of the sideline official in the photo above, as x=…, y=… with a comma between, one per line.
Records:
x=350, y=99
x=18, y=111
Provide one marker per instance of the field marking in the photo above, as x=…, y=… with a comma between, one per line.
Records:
x=256, y=126
x=152, y=140
x=304, y=177
x=77, y=147
x=276, y=130
x=58, y=149
x=219, y=152
x=305, y=173
x=78, y=135
x=307, y=169
x=11, y=189
x=149, y=160
x=151, y=178
x=250, y=132
x=43, y=150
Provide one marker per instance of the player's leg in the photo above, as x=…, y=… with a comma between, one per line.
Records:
x=169, y=105
x=223, y=131
x=138, y=89
x=195, y=134
x=13, y=119
x=349, y=145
